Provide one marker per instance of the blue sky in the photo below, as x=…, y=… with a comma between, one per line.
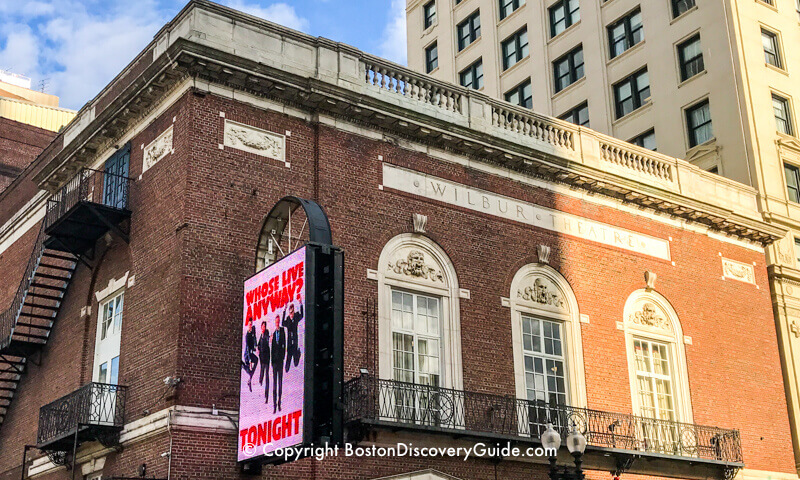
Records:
x=78, y=46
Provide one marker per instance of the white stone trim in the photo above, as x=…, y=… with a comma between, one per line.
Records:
x=672, y=336
x=447, y=289
x=114, y=286
x=749, y=474
x=26, y=218
x=429, y=474
x=569, y=319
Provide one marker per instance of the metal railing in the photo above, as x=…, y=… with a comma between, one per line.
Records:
x=92, y=405
x=8, y=318
x=433, y=408
x=94, y=186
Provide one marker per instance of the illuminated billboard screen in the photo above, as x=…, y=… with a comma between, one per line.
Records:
x=273, y=360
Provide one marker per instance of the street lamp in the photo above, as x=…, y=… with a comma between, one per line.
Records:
x=576, y=444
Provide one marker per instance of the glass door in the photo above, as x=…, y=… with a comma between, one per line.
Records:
x=106, y=360
x=115, y=179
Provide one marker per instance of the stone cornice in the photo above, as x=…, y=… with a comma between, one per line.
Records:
x=239, y=51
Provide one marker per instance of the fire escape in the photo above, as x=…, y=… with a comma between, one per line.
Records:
x=90, y=205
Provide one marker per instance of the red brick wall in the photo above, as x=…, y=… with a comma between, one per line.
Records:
x=197, y=216
x=19, y=145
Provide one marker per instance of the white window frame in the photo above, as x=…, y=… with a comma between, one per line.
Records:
x=446, y=289
x=672, y=336
x=569, y=318
x=114, y=289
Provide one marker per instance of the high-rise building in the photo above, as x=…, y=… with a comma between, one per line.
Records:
x=714, y=83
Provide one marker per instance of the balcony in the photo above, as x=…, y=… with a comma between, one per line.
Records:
x=93, y=203
x=94, y=412
x=615, y=440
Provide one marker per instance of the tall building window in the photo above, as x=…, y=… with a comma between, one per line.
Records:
x=521, y=95
x=654, y=380
x=646, y=140
x=416, y=326
x=568, y=69
x=578, y=115
x=562, y=15
x=543, y=351
x=109, y=332
x=679, y=7
x=429, y=12
x=690, y=55
x=431, y=58
x=698, y=120
x=657, y=368
x=418, y=320
x=625, y=33
x=472, y=76
x=772, y=52
x=515, y=48
x=632, y=92
x=792, y=182
x=783, y=115
x=469, y=30
x=507, y=7
x=548, y=350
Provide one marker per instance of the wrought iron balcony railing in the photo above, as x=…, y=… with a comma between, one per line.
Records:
x=408, y=405
x=95, y=411
x=91, y=186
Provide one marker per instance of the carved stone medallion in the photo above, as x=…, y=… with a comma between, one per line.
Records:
x=542, y=292
x=650, y=317
x=414, y=265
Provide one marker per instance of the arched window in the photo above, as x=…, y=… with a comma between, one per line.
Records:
x=548, y=351
x=657, y=367
x=419, y=333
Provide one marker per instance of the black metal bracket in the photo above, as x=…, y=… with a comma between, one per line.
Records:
x=124, y=236
x=624, y=463
x=76, y=255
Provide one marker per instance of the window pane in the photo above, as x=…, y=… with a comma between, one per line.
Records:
x=783, y=118
x=103, y=376
x=792, y=182
x=114, y=376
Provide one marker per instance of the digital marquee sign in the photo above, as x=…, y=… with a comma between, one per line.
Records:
x=272, y=398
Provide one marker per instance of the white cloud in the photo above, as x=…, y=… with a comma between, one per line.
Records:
x=280, y=13
x=21, y=50
x=81, y=45
x=394, y=46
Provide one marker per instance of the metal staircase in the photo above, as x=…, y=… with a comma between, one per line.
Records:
x=92, y=204
x=25, y=326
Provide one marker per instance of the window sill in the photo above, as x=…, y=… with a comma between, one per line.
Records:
x=465, y=49
x=524, y=61
x=626, y=53
x=693, y=77
x=682, y=15
x=634, y=114
x=785, y=137
x=573, y=86
x=571, y=28
x=771, y=7
x=512, y=14
x=776, y=69
x=702, y=146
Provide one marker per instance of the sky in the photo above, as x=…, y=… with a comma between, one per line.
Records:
x=73, y=48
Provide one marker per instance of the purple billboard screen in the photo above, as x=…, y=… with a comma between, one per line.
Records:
x=272, y=386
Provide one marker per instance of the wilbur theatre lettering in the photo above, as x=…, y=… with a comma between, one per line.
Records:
x=505, y=207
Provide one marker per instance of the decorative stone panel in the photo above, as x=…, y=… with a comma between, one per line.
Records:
x=255, y=140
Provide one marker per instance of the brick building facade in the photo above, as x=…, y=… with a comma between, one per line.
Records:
x=519, y=229
x=19, y=146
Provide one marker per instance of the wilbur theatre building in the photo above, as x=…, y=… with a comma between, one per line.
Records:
x=504, y=270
